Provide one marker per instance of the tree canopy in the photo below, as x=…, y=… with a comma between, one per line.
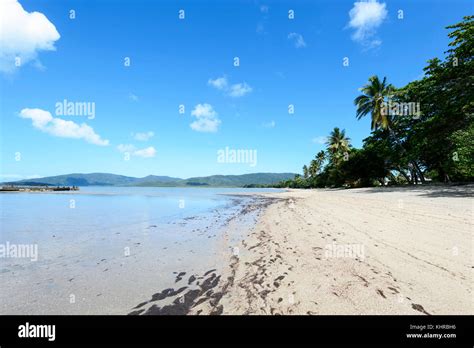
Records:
x=421, y=131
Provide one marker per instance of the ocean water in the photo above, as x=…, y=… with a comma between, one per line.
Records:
x=102, y=250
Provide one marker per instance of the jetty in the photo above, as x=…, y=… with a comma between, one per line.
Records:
x=17, y=188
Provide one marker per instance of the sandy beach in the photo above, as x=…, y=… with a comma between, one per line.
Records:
x=407, y=251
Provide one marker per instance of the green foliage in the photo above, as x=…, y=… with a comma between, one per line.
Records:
x=337, y=143
x=462, y=167
x=435, y=143
x=365, y=167
x=372, y=100
x=446, y=95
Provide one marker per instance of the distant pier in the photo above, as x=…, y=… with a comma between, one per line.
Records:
x=14, y=188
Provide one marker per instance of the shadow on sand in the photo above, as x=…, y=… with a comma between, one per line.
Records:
x=432, y=191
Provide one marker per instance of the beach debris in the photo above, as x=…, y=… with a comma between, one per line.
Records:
x=419, y=308
x=184, y=301
x=180, y=276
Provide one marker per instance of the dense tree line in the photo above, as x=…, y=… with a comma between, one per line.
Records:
x=421, y=132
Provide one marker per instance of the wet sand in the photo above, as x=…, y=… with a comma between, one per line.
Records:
x=412, y=254
x=201, y=293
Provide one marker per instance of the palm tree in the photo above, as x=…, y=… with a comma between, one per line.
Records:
x=373, y=100
x=313, y=168
x=320, y=157
x=305, y=171
x=316, y=164
x=338, y=143
x=374, y=97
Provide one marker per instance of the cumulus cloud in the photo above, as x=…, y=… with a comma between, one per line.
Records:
x=145, y=136
x=239, y=90
x=219, y=83
x=22, y=35
x=44, y=121
x=236, y=90
x=133, y=151
x=297, y=39
x=365, y=18
x=207, y=119
x=145, y=153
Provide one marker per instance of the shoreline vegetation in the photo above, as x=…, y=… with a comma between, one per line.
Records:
x=420, y=133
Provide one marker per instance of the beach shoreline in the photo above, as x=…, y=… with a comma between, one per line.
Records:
x=416, y=257
x=200, y=293
x=110, y=249
x=386, y=250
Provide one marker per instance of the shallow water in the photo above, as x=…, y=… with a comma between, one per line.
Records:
x=104, y=249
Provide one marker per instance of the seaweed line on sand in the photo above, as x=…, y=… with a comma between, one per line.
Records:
x=203, y=293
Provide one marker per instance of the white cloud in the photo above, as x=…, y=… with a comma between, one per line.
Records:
x=365, y=18
x=43, y=121
x=133, y=151
x=145, y=136
x=270, y=124
x=133, y=97
x=145, y=153
x=239, y=90
x=297, y=39
x=23, y=34
x=203, y=110
x=319, y=140
x=207, y=120
x=235, y=90
x=219, y=83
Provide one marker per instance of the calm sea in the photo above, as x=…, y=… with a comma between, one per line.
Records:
x=103, y=250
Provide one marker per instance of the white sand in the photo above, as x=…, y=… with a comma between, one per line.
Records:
x=418, y=254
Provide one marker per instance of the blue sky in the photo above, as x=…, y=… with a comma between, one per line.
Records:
x=138, y=130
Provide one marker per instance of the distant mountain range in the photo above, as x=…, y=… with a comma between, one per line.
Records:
x=105, y=179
